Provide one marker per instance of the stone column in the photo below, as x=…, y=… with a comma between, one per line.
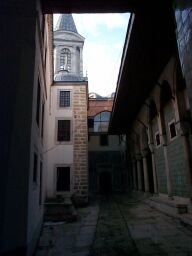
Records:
x=145, y=170
x=134, y=174
x=164, y=141
x=139, y=170
x=73, y=60
x=81, y=61
x=151, y=146
x=169, y=183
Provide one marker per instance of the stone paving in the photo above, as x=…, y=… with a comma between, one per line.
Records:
x=112, y=236
x=122, y=226
x=154, y=233
x=69, y=239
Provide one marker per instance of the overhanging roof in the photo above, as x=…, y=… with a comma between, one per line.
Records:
x=99, y=6
x=150, y=42
x=87, y=6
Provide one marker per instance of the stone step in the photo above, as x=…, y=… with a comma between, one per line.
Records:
x=60, y=209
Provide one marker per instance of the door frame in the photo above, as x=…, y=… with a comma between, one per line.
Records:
x=55, y=179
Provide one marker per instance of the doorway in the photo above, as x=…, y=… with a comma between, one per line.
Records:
x=63, y=179
x=105, y=182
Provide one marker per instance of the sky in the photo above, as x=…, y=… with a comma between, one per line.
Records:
x=104, y=40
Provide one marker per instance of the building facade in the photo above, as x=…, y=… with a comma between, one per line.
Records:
x=67, y=173
x=107, y=168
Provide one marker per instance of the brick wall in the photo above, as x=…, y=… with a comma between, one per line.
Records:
x=80, y=144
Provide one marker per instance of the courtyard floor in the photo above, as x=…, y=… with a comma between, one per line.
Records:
x=116, y=225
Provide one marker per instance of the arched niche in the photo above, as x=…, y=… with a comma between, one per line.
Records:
x=165, y=94
x=152, y=109
x=144, y=139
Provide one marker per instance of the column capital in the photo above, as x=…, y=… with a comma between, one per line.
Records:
x=151, y=147
x=164, y=139
x=144, y=153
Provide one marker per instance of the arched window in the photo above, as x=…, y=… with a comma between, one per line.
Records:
x=65, y=60
x=101, y=121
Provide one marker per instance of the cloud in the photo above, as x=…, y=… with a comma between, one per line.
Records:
x=102, y=67
x=94, y=23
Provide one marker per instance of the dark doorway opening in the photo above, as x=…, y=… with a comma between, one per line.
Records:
x=142, y=177
x=105, y=183
x=63, y=179
x=150, y=173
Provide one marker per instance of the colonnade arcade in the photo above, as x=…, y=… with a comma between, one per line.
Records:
x=160, y=136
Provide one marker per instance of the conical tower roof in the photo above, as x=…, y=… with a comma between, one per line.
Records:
x=66, y=22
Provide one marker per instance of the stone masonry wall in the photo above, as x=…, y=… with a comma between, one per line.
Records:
x=80, y=144
x=106, y=159
x=160, y=163
x=176, y=158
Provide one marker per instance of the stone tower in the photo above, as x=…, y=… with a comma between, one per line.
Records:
x=68, y=133
x=68, y=48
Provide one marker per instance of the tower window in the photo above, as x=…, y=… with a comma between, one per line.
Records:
x=64, y=99
x=63, y=132
x=65, y=60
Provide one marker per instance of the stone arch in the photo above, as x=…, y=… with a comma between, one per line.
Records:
x=165, y=98
x=136, y=144
x=165, y=94
x=180, y=83
x=152, y=109
x=181, y=96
